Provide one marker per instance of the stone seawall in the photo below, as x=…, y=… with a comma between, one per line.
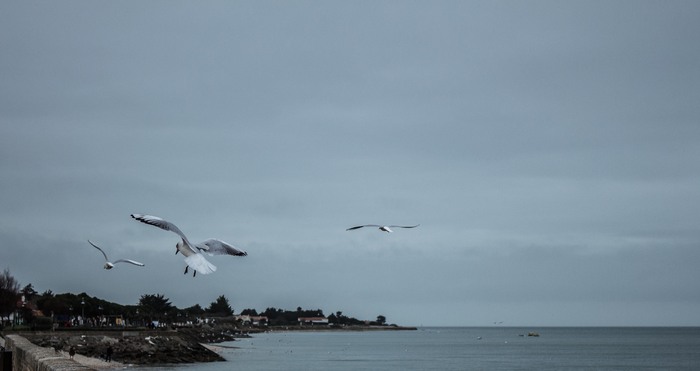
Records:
x=29, y=357
x=131, y=347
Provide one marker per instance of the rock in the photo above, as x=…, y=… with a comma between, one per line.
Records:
x=146, y=347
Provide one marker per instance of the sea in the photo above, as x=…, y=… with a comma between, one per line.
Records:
x=464, y=348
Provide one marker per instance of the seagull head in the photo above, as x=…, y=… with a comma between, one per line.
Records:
x=109, y=265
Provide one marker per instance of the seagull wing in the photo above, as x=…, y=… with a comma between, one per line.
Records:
x=404, y=226
x=129, y=261
x=218, y=247
x=98, y=248
x=360, y=226
x=163, y=224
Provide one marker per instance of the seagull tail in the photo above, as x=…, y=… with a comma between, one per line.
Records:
x=200, y=264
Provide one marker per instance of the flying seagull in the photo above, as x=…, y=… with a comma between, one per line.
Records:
x=193, y=257
x=385, y=228
x=109, y=264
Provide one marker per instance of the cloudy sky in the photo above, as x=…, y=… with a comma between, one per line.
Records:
x=548, y=149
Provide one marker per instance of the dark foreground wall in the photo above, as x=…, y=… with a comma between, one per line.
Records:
x=29, y=357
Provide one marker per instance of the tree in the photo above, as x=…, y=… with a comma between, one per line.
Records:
x=47, y=302
x=338, y=318
x=29, y=292
x=9, y=293
x=155, y=306
x=249, y=312
x=381, y=320
x=272, y=312
x=195, y=310
x=220, y=307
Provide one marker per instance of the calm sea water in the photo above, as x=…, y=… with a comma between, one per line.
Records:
x=466, y=348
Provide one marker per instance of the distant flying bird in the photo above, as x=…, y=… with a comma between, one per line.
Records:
x=385, y=228
x=193, y=258
x=110, y=265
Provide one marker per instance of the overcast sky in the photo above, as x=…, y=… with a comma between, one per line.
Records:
x=549, y=151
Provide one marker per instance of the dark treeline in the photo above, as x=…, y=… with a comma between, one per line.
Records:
x=70, y=309
x=280, y=317
x=28, y=307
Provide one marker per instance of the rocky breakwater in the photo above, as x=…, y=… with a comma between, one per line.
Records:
x=139, y=347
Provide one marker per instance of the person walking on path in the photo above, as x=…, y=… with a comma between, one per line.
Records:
x=110, y=351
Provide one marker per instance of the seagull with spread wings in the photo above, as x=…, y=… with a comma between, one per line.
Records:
x=109, y=264
x=385, y=228
x=193, y=257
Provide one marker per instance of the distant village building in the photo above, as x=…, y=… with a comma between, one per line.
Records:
x=312, y=321
x=252, y=320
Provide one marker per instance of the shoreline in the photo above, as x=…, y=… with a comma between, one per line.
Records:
x=144, y=347
x=345, y=328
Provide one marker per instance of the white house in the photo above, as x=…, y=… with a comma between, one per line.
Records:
x=252, y=320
